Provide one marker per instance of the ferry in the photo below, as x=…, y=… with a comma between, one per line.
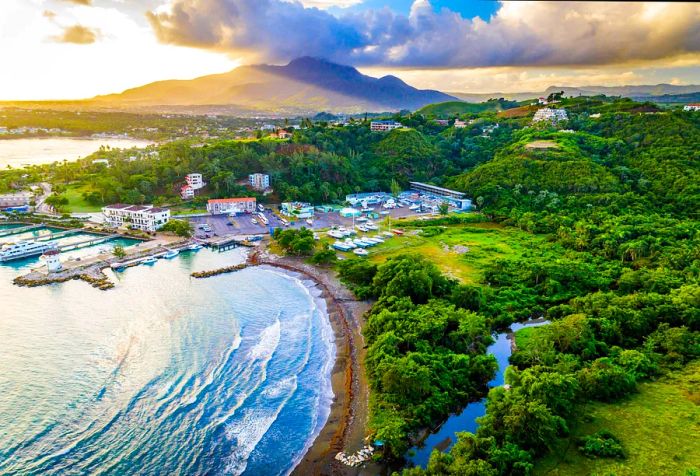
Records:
x=360, y=252
x=24, y=249
x=171, y=254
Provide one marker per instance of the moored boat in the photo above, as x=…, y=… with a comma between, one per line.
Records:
x=24, y=249
x=170, y=254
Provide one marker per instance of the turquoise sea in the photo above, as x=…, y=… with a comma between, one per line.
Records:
x=164, y=374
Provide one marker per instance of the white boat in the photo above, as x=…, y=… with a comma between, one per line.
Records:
x=335, y=234
x=414, y=207
x=340, y=246
x=254, y=221
x=350, y=243
x=170, y=254
x=309, y=221
x=388, y=234
x=360, y=252
x=371, y=227
x=363, y=228
x=194, y=247
x=24, y=249
x=149, y=260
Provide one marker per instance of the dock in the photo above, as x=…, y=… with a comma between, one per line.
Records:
x=21, y=229
x=87, y=242
x=56, y=236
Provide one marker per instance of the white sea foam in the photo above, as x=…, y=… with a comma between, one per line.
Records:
x=246, y=432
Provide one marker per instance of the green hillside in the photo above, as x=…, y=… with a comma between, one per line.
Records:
x=449, y=109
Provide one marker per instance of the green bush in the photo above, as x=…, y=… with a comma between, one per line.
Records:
x=601, y=444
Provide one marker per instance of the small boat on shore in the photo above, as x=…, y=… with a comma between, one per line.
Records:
x=170, y=254
x=360, y=252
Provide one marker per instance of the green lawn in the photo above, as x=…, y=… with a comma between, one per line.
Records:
x=76, y=202
x=485, y=241
x=659, y=428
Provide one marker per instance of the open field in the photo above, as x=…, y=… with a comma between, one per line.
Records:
x=76, y=202
x=659, y=428
x=461, y=251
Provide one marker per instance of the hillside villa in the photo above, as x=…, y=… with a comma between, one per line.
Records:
x=259, y=181
x=384, y=126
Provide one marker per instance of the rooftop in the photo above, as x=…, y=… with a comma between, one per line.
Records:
x=231, y=200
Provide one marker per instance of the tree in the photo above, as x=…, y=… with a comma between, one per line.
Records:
x=181, y=228
x=118, y=251
x=444, y=208
x=395, y=188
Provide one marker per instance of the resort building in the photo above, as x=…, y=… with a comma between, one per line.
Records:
x=551, y=115
x=692, y=107
x=259, y=181
x=460, y=124
x=384, y=126
x=454, y=198
x=11, y=200
x=140, y=217
x=297, y=210
x=235, y=206
x=195, y=181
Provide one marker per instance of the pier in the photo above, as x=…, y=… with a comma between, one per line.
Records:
x=56, y=236
x=17, y=231
x=87, y=242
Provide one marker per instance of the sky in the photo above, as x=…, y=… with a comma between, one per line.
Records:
x=70, y=49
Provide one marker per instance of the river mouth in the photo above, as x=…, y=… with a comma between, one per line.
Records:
x=445, y=436
x=168, y=374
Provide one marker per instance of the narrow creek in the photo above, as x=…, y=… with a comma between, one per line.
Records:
x=445, y=436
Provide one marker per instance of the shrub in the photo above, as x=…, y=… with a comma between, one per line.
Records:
x=601, y=444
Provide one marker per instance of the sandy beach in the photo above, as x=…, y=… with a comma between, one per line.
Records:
x=345, y=428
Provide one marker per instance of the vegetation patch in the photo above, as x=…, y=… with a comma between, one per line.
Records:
x=658, y=427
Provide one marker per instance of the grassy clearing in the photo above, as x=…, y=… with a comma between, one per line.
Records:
x=485, y=242
x=76, y=202
x=659, y=428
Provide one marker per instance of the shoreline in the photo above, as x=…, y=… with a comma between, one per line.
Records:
x=345, y=426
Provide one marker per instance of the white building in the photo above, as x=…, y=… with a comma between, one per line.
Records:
x=186, y=192
x=460, y=124
x=259, y=181
x=195, y=181
x=692, y=107
x=141, y=217
x=222, y=206
x=551, y=115
x=383, y=126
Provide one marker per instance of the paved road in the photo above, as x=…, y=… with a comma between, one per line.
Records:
x=41, y=206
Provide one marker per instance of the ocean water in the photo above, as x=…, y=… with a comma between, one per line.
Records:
x=164, y=374
x=18, y=153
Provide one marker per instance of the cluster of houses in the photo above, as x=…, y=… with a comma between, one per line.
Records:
x=692, y=107
x=550, y=115
x=16, y=201
x=29, y=130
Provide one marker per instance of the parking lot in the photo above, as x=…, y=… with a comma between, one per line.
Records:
x=223, y=225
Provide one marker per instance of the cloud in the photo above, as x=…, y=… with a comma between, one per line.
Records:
x=77, y=34
x=519, y=34
x=79, y=2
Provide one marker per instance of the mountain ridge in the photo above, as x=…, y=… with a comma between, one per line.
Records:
x=303, y=85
